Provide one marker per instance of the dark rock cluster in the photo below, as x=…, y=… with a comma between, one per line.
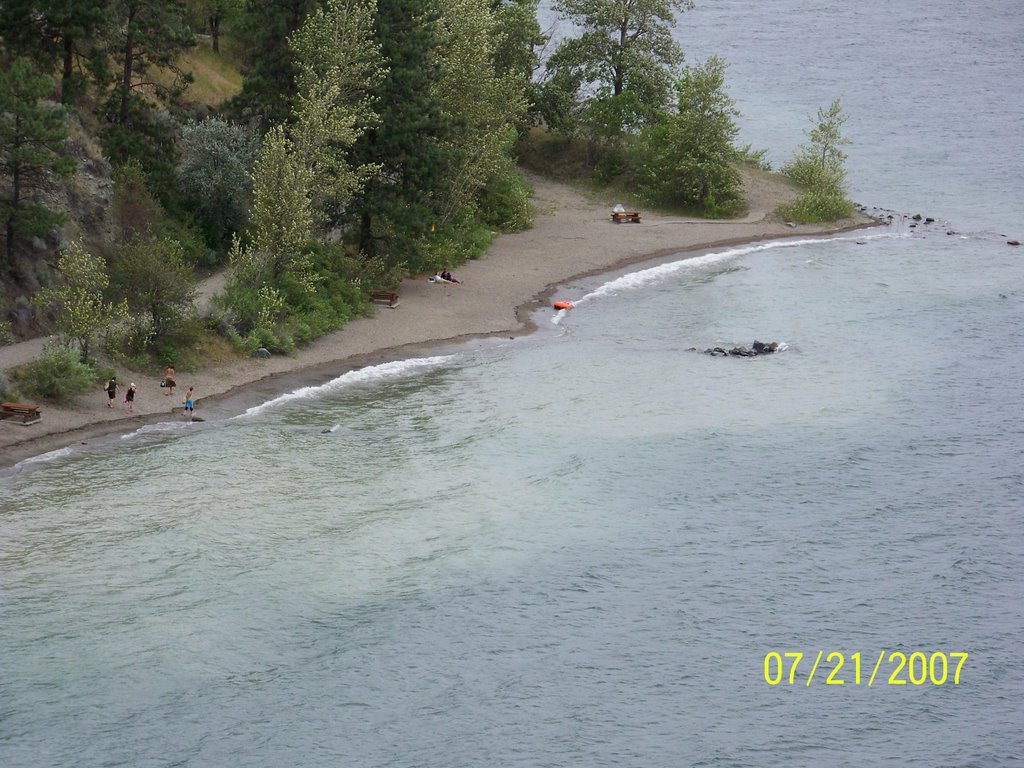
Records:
x=755, y=349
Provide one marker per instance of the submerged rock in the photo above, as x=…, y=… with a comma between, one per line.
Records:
x=755, y=349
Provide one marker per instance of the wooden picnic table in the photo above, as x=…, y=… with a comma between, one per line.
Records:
x=631, y=216
x=27, y=412
x=384, y=297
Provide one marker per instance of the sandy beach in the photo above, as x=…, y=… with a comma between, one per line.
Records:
x=573, y=236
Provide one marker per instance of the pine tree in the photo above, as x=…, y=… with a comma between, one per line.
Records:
x=269, y=86
x=398, y=206
x=624, y=60
x=31, y=137
x=143, y=35
x=48, y=30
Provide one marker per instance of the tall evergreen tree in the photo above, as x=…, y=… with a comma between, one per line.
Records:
x=143, y=35
x=212, y=15
x=269, y=86
x=399, y=205
x=31, y=137
x=49, y=30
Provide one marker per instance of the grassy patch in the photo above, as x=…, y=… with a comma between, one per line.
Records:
x=554, y=156
x=217, y=77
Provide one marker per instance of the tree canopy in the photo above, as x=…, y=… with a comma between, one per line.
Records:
x=339, y=66
x=82, y=312
x=689, y=157
x=625, y=56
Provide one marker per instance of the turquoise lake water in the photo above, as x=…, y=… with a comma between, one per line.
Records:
x=577, y=549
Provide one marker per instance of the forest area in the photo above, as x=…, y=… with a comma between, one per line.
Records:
x=317, y=150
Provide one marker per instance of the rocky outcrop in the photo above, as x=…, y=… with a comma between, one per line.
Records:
x=754, y=350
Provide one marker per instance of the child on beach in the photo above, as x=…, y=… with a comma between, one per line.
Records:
x=189, y=401
x=129, y=397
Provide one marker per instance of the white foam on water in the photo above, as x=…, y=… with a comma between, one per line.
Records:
x=43, y=457
x=372, y=373
x=162, y=427
x=645, y=277
x=559, y=316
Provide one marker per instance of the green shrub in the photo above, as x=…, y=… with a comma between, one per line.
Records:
x=57, y=375
x=505, y=202
x=214, y=173
x=753, y=158
x=817, y=205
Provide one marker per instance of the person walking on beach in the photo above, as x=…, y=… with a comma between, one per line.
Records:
x=111, y=391
x=129, y=397
x=189, y=401
x=168, y=384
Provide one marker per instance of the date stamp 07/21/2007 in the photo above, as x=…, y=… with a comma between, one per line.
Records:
x=836, y=668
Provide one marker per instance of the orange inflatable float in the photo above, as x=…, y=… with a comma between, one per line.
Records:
x=562, y=305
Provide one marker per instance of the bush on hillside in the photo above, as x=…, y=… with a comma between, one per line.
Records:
x=215, y=173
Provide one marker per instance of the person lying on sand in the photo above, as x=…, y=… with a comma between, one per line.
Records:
x=445, y=277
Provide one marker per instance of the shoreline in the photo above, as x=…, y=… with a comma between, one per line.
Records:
x=500, y=293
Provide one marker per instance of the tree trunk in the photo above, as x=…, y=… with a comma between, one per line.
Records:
x=15, y=196
x=366, y=246
x=126, y=80
x=617, y=74
x=215, y=31
x=68, y=71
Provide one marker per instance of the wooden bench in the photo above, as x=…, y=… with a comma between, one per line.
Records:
x=384, y=297
x=27, y=412
x=620, y=216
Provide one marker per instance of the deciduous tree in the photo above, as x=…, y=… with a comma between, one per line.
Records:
x=689, y=158
x=484, y=107
x=215, y=172
x=625, y=47
x=156, y=283
x=82, y=313
x=282, y=218
x=339, y=65
x=819, y=166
